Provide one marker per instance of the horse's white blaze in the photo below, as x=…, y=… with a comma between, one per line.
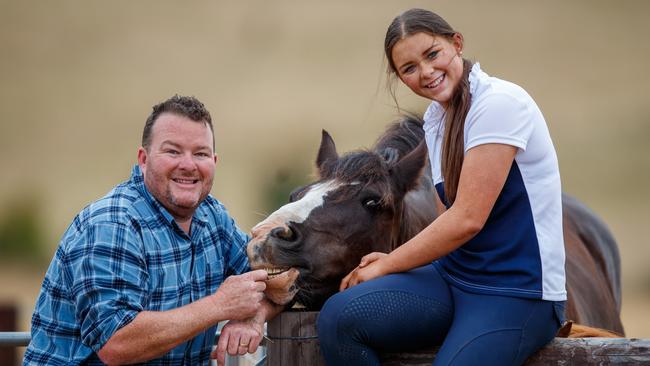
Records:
x=299, y=210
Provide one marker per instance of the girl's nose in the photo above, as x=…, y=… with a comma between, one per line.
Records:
x=427, y=70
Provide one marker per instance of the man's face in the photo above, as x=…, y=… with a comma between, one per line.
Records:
x=178, y=166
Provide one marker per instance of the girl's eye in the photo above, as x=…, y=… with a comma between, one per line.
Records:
x=432, y=54
x=408, y=69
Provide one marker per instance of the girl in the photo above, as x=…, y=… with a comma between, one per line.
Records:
x=486, y=278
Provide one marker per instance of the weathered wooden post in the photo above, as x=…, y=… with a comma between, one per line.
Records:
x=293, y=341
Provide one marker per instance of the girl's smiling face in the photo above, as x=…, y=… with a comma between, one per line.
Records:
x=429, y=65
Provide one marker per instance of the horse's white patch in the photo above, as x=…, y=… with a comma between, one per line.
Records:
x=299, y=210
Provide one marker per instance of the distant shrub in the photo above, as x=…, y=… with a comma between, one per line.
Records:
x=278, y=190
x=21, y=231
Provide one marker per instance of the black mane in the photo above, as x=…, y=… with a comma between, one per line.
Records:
x=372, y=166
x=401, y=137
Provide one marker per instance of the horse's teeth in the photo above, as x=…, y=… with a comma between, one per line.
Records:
x=274, y=271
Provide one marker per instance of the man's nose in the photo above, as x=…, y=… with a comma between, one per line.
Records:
x=187, y=162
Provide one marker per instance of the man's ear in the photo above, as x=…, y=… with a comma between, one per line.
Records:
x=142, y=159
x=216, y=158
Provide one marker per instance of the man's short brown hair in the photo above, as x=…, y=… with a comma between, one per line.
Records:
x=189, y=107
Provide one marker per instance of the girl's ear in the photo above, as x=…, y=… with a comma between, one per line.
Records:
x=458, y=42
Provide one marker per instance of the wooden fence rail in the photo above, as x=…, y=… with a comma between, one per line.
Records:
x=293, y=341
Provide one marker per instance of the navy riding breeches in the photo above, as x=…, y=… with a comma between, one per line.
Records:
x=417, y=309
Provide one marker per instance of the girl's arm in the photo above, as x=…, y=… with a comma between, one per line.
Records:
x=483, y=174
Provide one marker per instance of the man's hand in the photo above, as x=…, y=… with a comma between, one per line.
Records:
x=239, y=297
x=237, y=338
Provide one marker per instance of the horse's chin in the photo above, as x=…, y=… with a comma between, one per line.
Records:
x=281, y=288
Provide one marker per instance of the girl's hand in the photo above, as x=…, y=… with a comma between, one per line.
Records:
x=370, y=267
x=369, y=258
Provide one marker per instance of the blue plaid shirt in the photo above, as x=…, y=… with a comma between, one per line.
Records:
x=124, y=254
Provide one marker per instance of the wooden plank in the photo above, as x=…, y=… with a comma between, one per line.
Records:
x=423, y=358
x=564, y=351
x=293, y=342
x=594, y=351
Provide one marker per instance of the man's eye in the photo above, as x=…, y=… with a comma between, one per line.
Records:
x=172, y=152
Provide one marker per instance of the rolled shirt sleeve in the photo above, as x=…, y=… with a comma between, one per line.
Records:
x=108, y=280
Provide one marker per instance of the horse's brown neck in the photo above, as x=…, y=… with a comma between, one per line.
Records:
x=413, y=214
x=396, y=232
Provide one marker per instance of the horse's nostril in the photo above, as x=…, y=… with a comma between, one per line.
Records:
x=284, y=233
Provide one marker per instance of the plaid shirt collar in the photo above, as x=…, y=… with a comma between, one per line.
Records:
x=137, y=179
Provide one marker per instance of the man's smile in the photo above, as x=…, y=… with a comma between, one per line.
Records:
x=185, y=181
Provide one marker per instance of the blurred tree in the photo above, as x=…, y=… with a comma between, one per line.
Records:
x=21, y=231
x=284, y=182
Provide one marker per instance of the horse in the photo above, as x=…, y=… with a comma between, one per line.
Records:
x=376, y=199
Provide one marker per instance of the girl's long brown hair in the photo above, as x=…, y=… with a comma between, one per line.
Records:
x=453, y=146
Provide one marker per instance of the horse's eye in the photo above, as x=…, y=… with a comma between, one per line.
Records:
x=372, y=203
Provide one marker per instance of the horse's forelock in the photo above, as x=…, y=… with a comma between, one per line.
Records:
x=360, y=166
x=360, y=169
x=403, y=135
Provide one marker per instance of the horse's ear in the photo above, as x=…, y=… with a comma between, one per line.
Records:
x=327, y=155
x=407, y=171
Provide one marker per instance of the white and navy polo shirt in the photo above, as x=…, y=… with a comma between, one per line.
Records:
x=520, y=250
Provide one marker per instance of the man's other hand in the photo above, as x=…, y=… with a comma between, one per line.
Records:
x=239, y=297
x=238, y=337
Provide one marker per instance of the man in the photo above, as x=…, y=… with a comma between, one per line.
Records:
x=147, y=272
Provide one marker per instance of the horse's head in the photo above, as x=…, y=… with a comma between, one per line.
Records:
x=355, y=207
